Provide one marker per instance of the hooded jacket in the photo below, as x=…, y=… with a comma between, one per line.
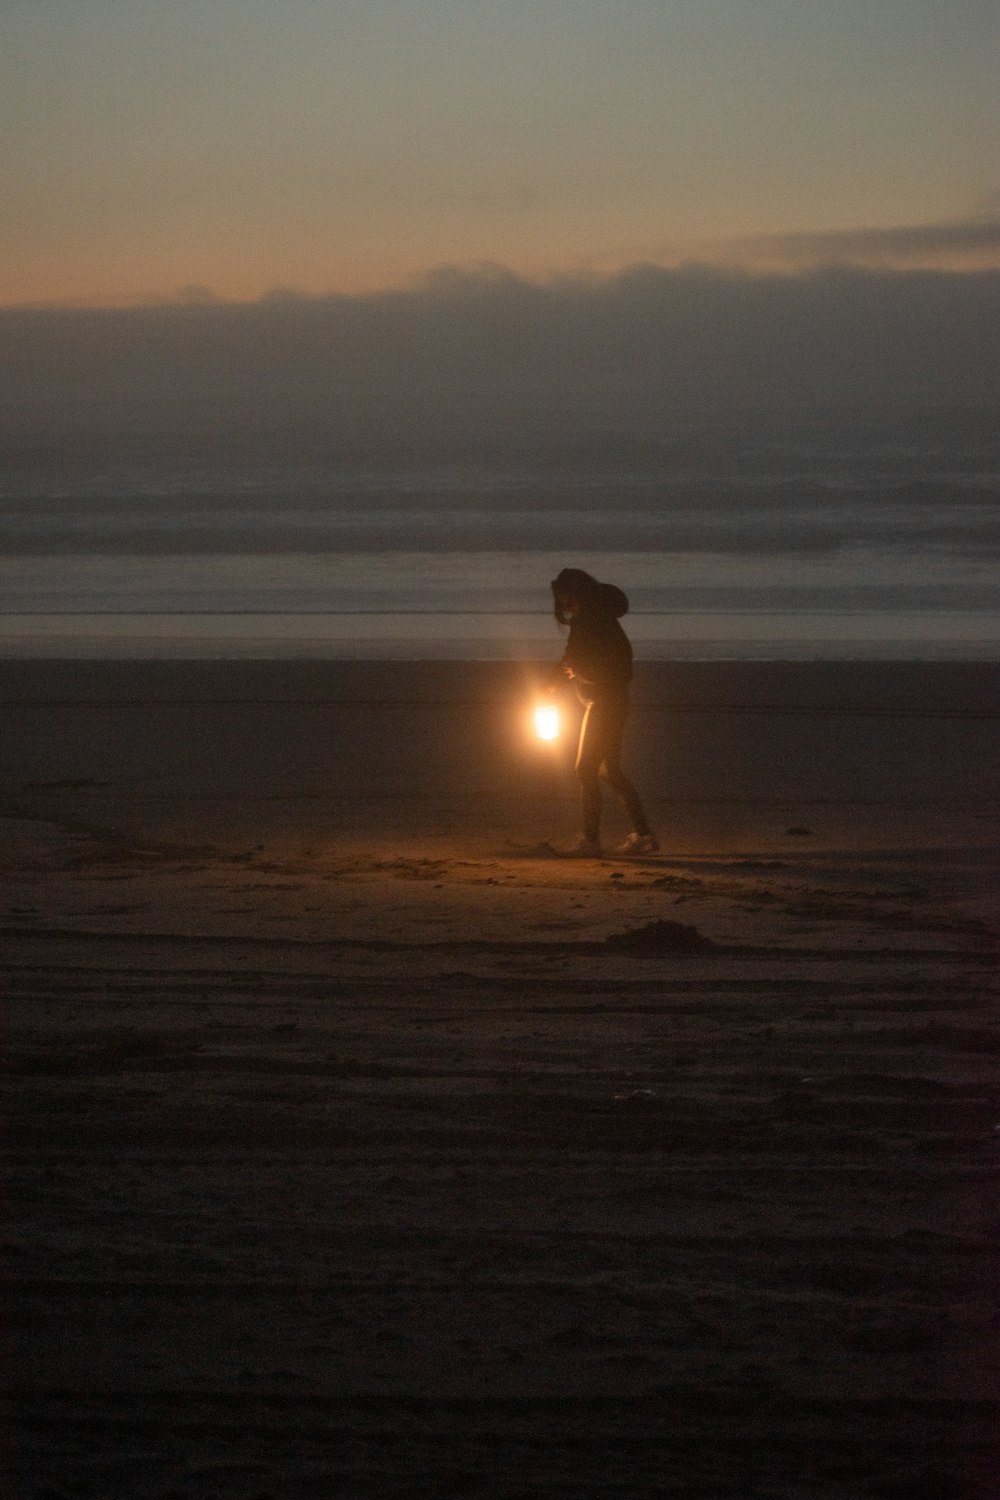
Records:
x=598, y=651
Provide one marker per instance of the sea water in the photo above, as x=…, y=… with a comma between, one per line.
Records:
x=838, y=537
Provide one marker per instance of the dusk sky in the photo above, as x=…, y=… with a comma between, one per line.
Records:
x=204, y=149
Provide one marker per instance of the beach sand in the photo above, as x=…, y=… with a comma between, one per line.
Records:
x=355, y=1146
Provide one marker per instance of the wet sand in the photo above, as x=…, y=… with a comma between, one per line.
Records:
x=356, y=1146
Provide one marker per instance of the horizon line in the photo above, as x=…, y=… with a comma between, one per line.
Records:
x=452, y=278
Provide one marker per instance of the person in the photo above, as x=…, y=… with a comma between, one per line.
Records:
x=598, y=660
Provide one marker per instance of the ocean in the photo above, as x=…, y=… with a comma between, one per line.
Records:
x=827, y=534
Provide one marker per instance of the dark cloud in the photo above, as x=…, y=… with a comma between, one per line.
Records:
x=970, y=244
x=480, y=364
x=197, y=294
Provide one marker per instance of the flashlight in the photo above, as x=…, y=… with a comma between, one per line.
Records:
x=547, y=721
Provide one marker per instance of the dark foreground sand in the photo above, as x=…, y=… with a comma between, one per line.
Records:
x=355, y=1148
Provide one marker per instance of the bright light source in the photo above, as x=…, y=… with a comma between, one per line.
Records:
x=547, y=721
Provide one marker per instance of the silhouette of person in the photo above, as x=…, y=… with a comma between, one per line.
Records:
x=598, y=659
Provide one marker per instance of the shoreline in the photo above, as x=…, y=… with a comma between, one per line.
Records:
x=696, y=652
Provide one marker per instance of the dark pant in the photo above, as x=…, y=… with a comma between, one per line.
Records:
x=599, y=758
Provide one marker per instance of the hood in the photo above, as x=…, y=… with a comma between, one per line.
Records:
x=589, y=593
x=613, y=600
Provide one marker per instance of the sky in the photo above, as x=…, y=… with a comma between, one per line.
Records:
x=232, y=150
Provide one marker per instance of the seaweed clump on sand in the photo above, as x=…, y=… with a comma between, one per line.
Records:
x=661, y=937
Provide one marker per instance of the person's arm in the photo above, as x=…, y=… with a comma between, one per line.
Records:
x=564, y=667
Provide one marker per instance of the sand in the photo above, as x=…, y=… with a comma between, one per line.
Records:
x=356, y=1147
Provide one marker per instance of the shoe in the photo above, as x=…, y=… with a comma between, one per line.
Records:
x=639, y=843
x=584, y=848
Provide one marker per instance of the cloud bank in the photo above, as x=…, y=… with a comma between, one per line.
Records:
x=966, y=245
x=483, y=363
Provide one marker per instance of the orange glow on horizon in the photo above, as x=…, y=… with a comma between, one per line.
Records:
x=955, y=250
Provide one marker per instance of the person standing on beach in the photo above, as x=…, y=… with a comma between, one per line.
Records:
x=598, y=659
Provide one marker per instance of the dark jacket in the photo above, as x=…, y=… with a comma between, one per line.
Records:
x=598, y=650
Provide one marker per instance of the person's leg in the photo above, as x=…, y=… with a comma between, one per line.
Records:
x=613, y=731
x=629, y=797
x=589, y=756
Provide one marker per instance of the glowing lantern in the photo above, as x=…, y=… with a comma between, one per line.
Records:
x=547, y=721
